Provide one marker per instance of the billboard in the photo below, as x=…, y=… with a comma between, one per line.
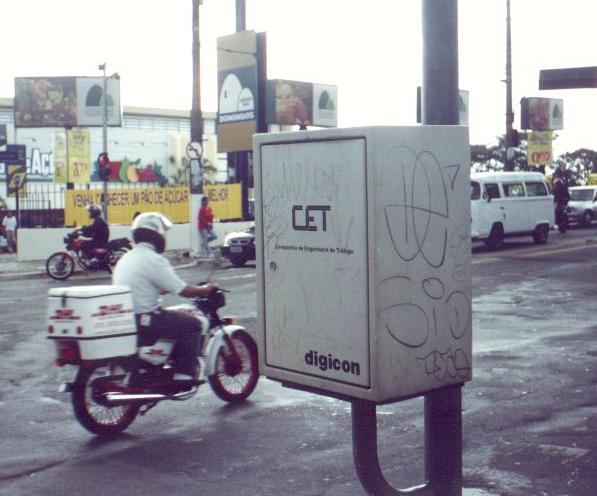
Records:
x=302, y=103
x=541, y=114
x=539, y=148
x=65, y=101
x=463, y=107
x=238, y=91
x=71, y=155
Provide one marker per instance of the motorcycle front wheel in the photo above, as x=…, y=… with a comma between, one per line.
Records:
x=91, y=410
x=60, y=266
x=236, y=374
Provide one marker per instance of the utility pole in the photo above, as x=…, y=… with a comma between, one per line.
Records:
x=196, y=116
x=509, y=165
x=102, y=67
x=240, y=160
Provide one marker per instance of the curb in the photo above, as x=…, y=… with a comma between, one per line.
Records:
x=15, y=276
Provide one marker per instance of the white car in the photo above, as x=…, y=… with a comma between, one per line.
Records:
x=582, y=207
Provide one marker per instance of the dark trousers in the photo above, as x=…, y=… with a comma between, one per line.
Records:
x=89, y=245
x=180, y=327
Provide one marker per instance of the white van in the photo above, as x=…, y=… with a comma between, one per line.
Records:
x=510, y=204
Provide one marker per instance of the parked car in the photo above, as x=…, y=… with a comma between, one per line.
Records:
x=510, y=204
x=582, y=207
x=239, y=247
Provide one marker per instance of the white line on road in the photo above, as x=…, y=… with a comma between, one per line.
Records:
x=249, y=275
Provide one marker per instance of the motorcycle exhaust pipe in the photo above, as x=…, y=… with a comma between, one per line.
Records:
x=124, y=399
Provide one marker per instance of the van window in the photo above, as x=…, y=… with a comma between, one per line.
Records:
x=513, y=190
x=475, y=191
x=536, y=189
x=492, y=190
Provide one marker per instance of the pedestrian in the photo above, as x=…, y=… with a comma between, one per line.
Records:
x=205, y=221
x=10, y=229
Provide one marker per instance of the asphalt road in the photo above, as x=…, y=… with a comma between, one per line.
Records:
x=530, y=412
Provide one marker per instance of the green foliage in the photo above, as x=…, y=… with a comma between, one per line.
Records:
x=577, y=165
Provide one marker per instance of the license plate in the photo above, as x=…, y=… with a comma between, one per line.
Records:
x=68, y=373
x=236, y=249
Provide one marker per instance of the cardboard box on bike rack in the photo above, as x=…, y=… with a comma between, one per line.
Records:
x=363, y=241
x=100, y=318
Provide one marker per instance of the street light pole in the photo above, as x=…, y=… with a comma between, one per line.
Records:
x=102, y=67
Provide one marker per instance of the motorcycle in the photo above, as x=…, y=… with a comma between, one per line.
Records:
x=561, y=215
x=61, y=265
x=108, y=394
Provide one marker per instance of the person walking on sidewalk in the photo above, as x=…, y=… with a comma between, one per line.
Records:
x=206, y=232
x=10, y=228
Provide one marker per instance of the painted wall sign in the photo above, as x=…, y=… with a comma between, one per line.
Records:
x=123, y=203
x=225, y=200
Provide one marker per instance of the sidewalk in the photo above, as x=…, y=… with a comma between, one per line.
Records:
x=12, y=269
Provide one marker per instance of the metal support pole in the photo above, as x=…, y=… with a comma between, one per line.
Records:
x=439, y=94
x=241, y=16
x=364, y=449
x=440, y=102
x=443, y=409
x=443, y=440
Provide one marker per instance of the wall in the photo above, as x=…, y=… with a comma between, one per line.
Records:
x=39, y=244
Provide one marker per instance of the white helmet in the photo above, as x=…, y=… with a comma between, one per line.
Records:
x=151, y=227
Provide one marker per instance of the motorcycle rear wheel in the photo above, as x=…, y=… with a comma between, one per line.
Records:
x=96, y=417
x=60, y=266
x=232, y=381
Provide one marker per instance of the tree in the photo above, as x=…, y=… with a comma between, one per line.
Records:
x=493, y=158
x=578, y=164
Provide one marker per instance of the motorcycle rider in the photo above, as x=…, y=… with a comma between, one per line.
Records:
x=149, y=274
x=98, y=232
x=561, y=196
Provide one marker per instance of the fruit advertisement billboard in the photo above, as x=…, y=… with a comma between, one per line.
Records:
x=65, y=101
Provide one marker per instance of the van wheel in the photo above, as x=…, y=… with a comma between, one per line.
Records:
x=496, y=237
x=587, y=217
x=541, y=234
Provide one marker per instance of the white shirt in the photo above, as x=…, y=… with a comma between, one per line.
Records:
x=147, y=273
x=10, y=223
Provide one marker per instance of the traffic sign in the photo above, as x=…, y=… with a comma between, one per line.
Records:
x=194, y=150
x=16, y=180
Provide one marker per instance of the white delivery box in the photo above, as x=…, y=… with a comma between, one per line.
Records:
x=363, y=259
x=99, y=318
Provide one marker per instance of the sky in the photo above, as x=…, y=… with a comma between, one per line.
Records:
x=370, y=50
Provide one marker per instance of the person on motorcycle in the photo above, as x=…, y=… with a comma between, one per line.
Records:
x=149, y=275
x=561, y=196
x=98, y=231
